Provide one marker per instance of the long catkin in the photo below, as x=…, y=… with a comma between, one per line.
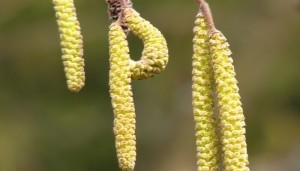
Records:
x=203, y=103
x=71, y=43
x=231, y=118
x=122, y=100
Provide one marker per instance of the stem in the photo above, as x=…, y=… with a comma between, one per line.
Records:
x=126, y=3
x=205, y=9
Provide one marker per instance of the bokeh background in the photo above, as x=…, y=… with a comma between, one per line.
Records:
x=44, y=127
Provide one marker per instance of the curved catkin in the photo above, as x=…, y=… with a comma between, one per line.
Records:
x=203, y=107
x=122, y=101
x=155, y=54
x=71, y=43
x=232, y=121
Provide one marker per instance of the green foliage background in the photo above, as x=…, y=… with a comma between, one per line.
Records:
x=44, y=127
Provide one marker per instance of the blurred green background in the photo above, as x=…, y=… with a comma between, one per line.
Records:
x=44, y=127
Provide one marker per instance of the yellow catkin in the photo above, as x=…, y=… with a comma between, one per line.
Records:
x=231, y=118
x=155, y=54
x=203, y=105
x=71, y=43
x=122, y=101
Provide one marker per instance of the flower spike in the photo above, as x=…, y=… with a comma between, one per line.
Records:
x=71, y=43
x=232, y=120
x=155, y=54
x=122, y=101
x=203, y=104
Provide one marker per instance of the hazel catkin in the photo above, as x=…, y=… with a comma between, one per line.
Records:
x=71, y=43
x=155, y=54
x=122, y=100
x=203, y=104
x=231, y=118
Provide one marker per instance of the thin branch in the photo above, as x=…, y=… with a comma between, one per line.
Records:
x=200, y=1
x=126, y=3
x=205, y=9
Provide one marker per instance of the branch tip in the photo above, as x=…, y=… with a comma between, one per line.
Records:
x=205, y=10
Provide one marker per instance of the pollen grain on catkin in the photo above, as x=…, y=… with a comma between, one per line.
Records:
x=71, y=43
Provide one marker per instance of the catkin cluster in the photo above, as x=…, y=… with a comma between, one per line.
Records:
x=220, y=123
x=220, y=137
x=123, y=70
x=71, y=43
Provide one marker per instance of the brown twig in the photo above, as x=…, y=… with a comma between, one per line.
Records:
x=126, y=4
x=205, y=9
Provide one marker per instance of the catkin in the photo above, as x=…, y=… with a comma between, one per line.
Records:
x=231, y=118
x=203, y=105
x=155, y=54
x=122, y=100
x=71, y=43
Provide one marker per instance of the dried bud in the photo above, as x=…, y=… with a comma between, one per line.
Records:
x=114, y=11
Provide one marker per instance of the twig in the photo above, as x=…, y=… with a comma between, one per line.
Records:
x=126, y=4
x=205, y=9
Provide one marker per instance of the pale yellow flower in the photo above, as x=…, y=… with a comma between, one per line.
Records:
x=121, y=95
x=155, y=54
x=71, y=43
x=203, y=102
x=231, y=118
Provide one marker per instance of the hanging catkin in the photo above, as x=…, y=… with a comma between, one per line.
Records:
x=71, y=43
x=155, y=54
x=232, y=124
x=203, y=104
x=121, y=95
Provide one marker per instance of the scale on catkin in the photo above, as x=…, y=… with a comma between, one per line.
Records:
x=123, y=70
x=71, y=43
x=221, y=142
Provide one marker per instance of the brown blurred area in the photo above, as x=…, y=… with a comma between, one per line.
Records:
x=44, y=127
